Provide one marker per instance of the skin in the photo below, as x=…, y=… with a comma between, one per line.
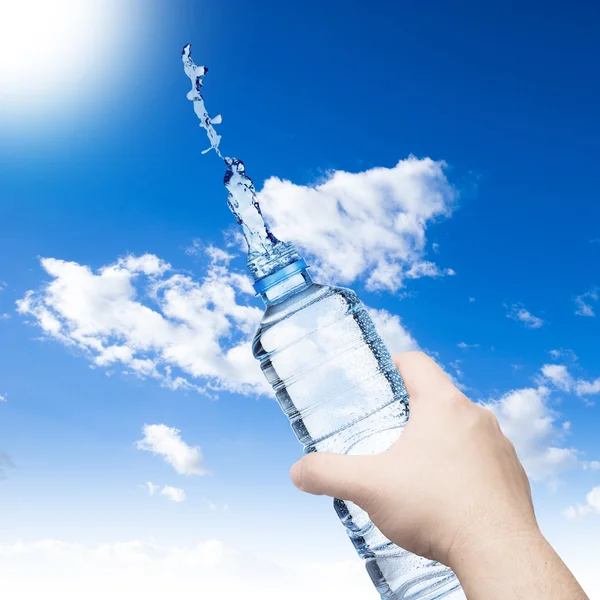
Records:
x=464, y=500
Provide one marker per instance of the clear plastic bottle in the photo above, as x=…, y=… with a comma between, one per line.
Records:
x=331, y=372
x=336, y=382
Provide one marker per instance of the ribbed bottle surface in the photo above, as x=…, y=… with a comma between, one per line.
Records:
x=336, y=382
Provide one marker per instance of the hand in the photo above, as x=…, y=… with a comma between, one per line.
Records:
x=450, y=489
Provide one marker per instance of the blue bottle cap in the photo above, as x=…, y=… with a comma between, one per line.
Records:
x=263, y=284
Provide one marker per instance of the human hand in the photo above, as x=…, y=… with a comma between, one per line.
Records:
x=450, y=489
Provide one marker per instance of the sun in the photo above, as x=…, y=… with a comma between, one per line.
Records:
x=49, y=49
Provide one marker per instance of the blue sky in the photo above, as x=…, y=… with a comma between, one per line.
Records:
x=103, y=162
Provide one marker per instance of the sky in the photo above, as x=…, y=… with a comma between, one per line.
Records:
x=439, y=158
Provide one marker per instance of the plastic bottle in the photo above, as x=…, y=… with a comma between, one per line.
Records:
x=331, y=372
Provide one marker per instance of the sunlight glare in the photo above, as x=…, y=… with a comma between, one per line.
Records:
x=48, y=49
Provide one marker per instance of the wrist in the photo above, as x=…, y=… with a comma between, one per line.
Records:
x=486, y=552
x=519, y=564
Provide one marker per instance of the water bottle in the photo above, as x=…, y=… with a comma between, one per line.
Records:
x=331, y=372
x=335, y=380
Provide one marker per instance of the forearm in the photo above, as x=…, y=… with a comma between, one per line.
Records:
x=519, y=568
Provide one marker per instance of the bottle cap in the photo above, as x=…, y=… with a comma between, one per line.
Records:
x=263, y=284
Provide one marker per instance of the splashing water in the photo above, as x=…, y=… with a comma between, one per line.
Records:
x=266, y=254
x=196, y=75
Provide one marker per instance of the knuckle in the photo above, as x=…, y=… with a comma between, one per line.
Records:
x=510, y=447
x=480, y=417
x=491, y=418
x=456, y=397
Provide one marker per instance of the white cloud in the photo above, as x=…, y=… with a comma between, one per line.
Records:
x=592, y=465
x=456, y=366
x=466, y=346
x=518, y=312
x=393, y=333
x=3, y=398
x=173, y=493
x=215, y=507
x=587, y=388
x=166, y=442
x=140, y=315
x=563, y=353
x=559, y=376
x=152, y=488
x=140, y=569
x=592, y=505
x=367, y=225
x=583, y=303
x=471, y=299
x=535, y=429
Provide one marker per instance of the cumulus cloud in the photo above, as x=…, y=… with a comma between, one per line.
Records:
x=559, y=376
x=139, y=315
x=591, y=505
x=173, y=493
x=587, y=388
x=393, y=333
x=166, y=442
x=536, y=431
x=518, y=312
x=584, y=303
x=3, y=398
x=369, y=225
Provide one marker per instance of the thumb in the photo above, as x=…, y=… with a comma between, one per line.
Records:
x=337, y=475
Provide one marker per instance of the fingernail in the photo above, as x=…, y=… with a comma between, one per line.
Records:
x=296, y=474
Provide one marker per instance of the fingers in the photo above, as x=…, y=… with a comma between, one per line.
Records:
x=423, y=377
x=336, y=475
